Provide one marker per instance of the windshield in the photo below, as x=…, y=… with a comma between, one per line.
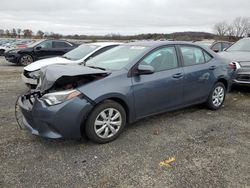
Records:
x=241, y=45
x=80, y=52
x=35, y=43
x=116, y=58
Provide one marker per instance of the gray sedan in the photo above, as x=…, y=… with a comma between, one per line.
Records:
x=239, y=55
x=121, y=86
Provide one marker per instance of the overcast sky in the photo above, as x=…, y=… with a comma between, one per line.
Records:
x=119, y=16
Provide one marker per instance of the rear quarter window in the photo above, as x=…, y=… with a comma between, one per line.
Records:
x=207, y=56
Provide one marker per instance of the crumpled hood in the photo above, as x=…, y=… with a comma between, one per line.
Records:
x=45, y=62
x=235, y=56
x=50, y=74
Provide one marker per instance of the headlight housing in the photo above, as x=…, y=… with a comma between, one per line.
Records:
x=35, y=74
x=59, y=97
x=14, y=51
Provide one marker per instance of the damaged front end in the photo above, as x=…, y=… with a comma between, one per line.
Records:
x=56, y=108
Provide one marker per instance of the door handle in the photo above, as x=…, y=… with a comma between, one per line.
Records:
x=212, y=68
x=178, y=75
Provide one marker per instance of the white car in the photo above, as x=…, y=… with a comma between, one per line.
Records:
x=79, y=55
x=4, y=48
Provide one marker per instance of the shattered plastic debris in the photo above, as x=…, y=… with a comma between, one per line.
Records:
x=156, y=132
x=167, y=162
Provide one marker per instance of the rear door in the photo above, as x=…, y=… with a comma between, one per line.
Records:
x=60, y=48
x=199, y=73
x=163, y=89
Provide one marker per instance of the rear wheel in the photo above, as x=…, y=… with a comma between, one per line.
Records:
x=106, y=122
x=25, y=59
x=217, y=96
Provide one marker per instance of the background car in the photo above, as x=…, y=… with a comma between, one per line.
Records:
x=80, y=54
x=39, y=50
x=5, y=45
x=216, y=46
x=123, y=85
x=239, y=56
x=220, y=46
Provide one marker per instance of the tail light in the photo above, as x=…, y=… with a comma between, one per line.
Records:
x=232, y=65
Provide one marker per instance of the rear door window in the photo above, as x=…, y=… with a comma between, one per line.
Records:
x=45, y=45
x=192, y=55
x=60, y=44
x=207, y=56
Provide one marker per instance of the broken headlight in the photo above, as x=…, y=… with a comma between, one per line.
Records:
x=13, y=51
x=35, y=74
x=59, y=97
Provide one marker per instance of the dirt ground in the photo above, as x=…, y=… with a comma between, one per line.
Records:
x=211, y=148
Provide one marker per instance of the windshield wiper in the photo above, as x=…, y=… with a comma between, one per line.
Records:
x=95, y=67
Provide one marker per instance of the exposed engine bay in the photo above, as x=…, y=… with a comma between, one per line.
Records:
x=69, y=82
x=64, y=77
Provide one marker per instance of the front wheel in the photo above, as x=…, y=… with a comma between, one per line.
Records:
x=2, y=52
x=106, y=122
x=25, y=59
x=217, y=96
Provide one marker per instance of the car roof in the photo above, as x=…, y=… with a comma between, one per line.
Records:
x=157, y=43
x=246, y=38
x=103, y=44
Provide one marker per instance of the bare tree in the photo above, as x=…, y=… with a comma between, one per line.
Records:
x=230, y=31
x=13, y=33
x=241, y=26
x=7, y=32
x=221, y=28
x=27, y=33
x=19, y=32
x=40, y=34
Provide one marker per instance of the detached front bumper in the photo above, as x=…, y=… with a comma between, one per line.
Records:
x=62, y=120
x=12, y=57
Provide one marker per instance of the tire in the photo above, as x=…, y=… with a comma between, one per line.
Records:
x=217, y=96
x=100, y=127
x=25, y=59
x=2, y=52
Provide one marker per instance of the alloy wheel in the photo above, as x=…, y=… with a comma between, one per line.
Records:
x=26, y=60
x=108, y=123
x=218, y=96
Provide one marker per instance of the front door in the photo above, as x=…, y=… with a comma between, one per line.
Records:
x=44, y=50
x=161, y=90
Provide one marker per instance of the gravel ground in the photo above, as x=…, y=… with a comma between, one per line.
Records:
x=211, y=149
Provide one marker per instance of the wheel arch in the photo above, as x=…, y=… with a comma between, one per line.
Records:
x=26, y=53
x=224, y=81
x=117, y=99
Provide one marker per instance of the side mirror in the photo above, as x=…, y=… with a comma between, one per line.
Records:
x=145, y=69
x=216, y=50
x=38, y=48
